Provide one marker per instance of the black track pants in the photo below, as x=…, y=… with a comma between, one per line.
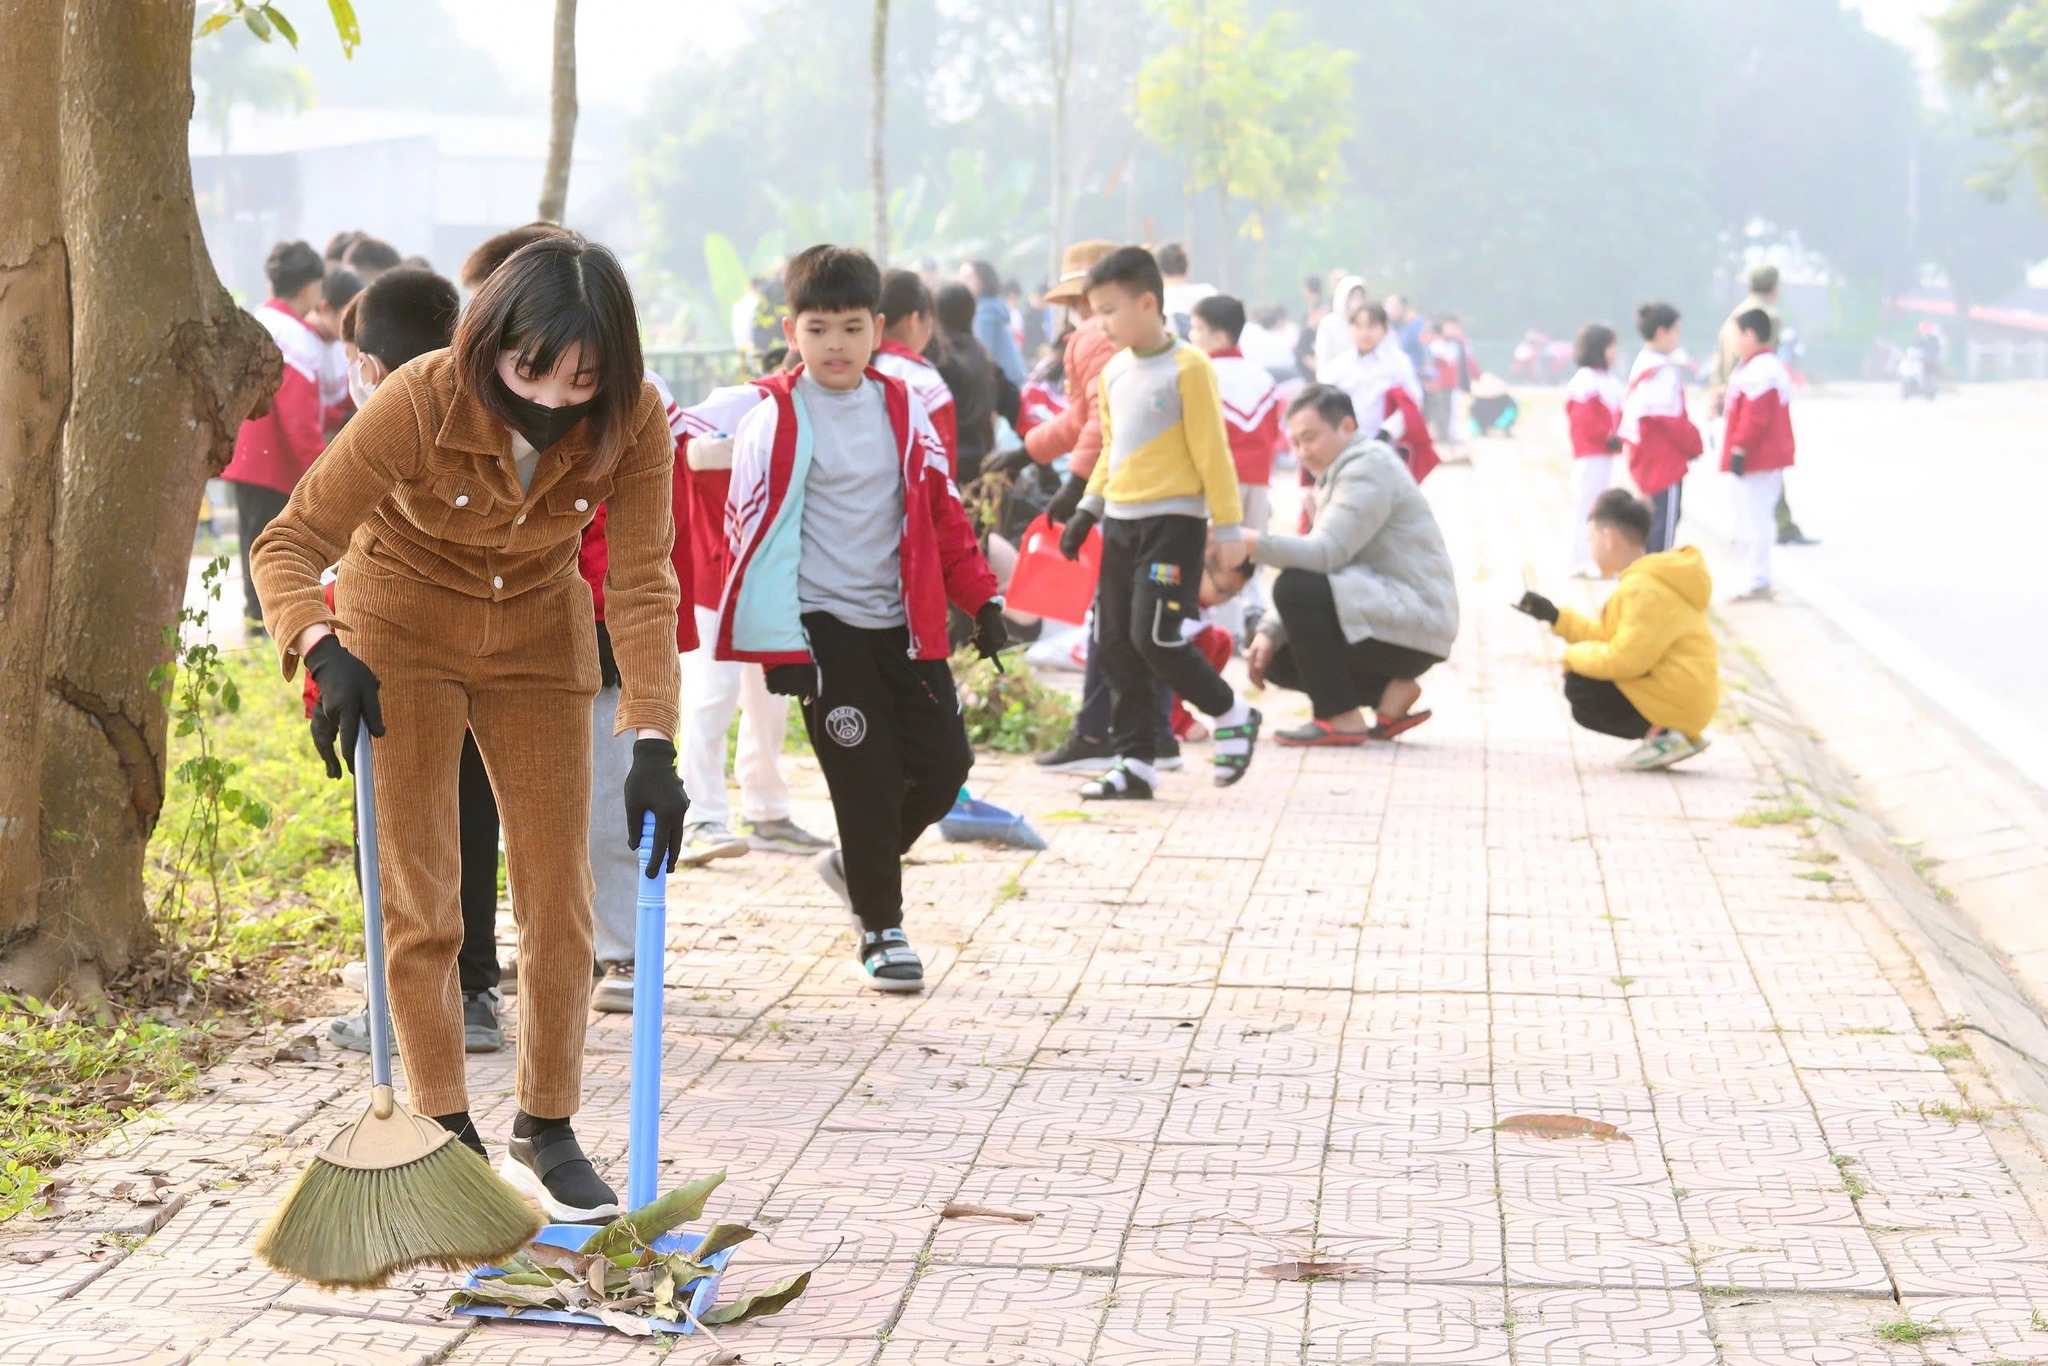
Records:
x=1151, y=576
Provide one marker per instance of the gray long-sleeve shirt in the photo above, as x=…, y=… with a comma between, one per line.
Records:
x=853, y=508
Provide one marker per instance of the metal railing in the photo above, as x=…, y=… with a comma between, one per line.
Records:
x=692, y=372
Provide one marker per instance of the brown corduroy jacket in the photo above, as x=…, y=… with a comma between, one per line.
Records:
x=422, y=483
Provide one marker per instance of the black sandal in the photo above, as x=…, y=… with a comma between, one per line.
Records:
x=889, y=963
x=1231, y=767
x=1119, y=784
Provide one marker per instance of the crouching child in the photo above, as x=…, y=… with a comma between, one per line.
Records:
x=848, y=539
x=1648, y=669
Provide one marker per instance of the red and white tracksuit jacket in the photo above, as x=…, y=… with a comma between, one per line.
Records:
x=894, y=358
x=759, y=619
x=1387, y=396
x=1251, y=414
x=1041, y=401
x=1759, y=415
x=1592, y=410
x=277, y=449
x=1660, y=439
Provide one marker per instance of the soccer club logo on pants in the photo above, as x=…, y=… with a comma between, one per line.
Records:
x=846, y=726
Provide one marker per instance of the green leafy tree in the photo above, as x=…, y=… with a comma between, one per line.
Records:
x=1972, y=225
x=1997, y=51
x=1258, y=116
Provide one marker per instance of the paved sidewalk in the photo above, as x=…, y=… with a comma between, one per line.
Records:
x=1208, y=1037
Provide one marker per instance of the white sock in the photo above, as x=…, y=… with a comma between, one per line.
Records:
x=1138, y=768
x=1240, y=712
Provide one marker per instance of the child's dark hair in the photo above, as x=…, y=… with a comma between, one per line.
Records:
x=1377, y=312
x=1653, y=318
x=829, y=279
x=290, y=267
x=988, y=281
x=956, y=305
x=903, y=295
x=405, y=313
x=338, y=245
x=1756, y=322
x=1223, y=313
x=554, y=294
x=339, y=286
x=369, y=256
x=1133, y=268
x=1590, y=350
x=494, y=251
x=1332, y=404
x=1626, y=513
x=1173, y=258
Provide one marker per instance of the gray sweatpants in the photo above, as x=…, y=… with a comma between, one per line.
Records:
x=613, y=866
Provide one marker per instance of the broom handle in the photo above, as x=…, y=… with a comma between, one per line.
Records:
x=650, y=917
x=373, y=930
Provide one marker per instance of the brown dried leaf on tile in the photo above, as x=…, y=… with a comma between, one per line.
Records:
x=1559, y=1126
x=960, y=1209
x=305, y=1048
x=1316, y=1271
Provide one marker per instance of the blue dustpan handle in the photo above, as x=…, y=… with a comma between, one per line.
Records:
x=650, y=926
x=373, y=915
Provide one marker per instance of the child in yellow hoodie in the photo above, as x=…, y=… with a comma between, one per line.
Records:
x=1648, y=669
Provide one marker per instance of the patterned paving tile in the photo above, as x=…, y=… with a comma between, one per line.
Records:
x=1568, y=1327
x=1363, y=1323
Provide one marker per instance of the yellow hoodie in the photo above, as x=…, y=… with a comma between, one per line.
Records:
x=1652, y=640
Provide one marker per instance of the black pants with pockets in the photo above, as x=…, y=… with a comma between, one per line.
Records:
x=256, y=506
x=1151, y=576
x=1664, y=510
x=887, y=732
x=1337, y=674
x=1601, y=706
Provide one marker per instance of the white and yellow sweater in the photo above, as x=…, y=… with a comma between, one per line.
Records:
x=1165, y=449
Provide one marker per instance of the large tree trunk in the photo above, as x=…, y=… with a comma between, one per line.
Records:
x=554, y=187
x=878, y=110
x=35, y=382
x=165, y=368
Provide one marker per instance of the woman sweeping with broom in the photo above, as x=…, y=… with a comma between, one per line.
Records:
x=455, y=502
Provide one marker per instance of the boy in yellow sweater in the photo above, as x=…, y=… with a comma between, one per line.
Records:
x=1648, y=669
x=1164, y=476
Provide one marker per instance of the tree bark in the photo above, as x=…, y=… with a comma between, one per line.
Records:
x=165, y=367
x=878, y=111
x=35, y=384
x=554, y=187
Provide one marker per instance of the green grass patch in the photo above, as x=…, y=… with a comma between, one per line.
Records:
x=1784, y=813
x=1948, y=1052
x=1816, y=875
x=1911, y=1330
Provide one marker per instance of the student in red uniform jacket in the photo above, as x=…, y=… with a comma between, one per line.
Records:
x=1758, y=447
x=907, y=325
x=1655, y=431
x=1592, y=411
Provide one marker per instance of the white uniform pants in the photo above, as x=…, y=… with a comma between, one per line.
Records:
x=1756, y=525
x=712, y=689
x=1592, y=475
x=614, y=868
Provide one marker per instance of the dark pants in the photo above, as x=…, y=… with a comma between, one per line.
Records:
x=1151, y=573
x=1788, y=525
x=1599, y=705
x=1664, y=519
x=887, y=732
x=1093, y=719
x=1338, y=675
x=255, y=507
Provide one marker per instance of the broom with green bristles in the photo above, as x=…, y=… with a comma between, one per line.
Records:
x=393, y=1190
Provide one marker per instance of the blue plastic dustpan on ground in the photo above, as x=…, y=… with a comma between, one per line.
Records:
x=643, y=1133
x=978, y=820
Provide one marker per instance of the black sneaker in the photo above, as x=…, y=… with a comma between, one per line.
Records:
x=550, y=1169
x=889, y=963
x=1078, y=753
x=481, y=1032
x=1167, y=757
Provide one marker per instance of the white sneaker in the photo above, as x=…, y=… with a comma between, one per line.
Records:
x=784, y=836
x=1662, y=750
x=613, y=994
x=708, y=840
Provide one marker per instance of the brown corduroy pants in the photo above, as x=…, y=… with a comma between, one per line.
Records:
x=520, y=674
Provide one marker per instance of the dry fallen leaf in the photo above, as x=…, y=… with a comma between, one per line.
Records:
x=959, y=1209
x=1559, y=1126
x=305, y=1048
x=1315, y=1271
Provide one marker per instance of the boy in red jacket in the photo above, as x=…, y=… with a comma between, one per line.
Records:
x=848, y=539
x=1655, y=431
x=1758, y=447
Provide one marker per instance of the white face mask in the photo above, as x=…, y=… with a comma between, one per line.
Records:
x=359, y=387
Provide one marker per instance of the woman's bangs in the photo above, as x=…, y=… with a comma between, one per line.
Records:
x=539, y=348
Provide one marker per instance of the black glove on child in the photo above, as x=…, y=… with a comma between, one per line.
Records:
x=1006, y=463
x=792, y=680
x=348, y=702
x=1076, y=534
x=1539, y=607
x=652, y=786
x=1736, y=461
x=1614, y=445
x=607, y=662
x=1066, y=500
x=990, y=634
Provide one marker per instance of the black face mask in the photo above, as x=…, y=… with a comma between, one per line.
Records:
x=541, y=425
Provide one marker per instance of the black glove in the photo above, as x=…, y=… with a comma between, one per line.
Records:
x=990, y=634
x=1066, y=500
x=348, y=702
x=607, y=662
x=652, y=786
x=792, y=680
x=1076, y=534
x=1007, y=462
x=1736, y=460
x=1614, y=445
x=1539, y=607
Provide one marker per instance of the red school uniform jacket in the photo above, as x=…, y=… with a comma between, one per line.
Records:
x=1592, y=410
x=894, y=358
x=1660, y=439
x=704, y=480
x=593, y=557
x=1759, y=415
x=759, y=618
x=1251, y=414
x=277, y=449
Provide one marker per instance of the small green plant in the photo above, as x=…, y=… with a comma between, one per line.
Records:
x=195, y=688
x=1851, y=1182
x=1009, y=891
x=1911, y=1330
x=19, y=1186
x=1788, y=812
x=1816, y=875
x=2039, y=1321
x=1948, y=1052
x=1955, y=1114
x=1866, y=1029
x=1624, y=981
x=1009, y=712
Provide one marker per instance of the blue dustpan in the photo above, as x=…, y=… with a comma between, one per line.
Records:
x=650, y=924
x=978, y=820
